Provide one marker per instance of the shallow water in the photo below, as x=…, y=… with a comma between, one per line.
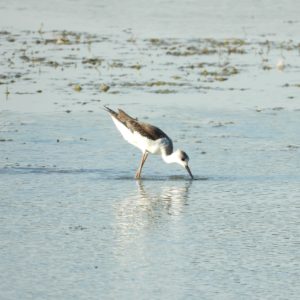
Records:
x=74, y=222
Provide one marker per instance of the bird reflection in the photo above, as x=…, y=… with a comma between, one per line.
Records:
x=151, y=206
x=170, y=199
x=151, y=209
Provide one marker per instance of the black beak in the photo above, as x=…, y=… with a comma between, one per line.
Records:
x=189, y=171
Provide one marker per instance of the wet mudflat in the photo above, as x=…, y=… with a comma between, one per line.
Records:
x=74, y=222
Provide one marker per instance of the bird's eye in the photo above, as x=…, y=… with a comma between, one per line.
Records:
x=183, y=159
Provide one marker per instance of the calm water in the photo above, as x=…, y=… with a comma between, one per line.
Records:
x=76, y=225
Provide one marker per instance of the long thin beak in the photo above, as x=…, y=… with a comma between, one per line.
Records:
x=189, y=171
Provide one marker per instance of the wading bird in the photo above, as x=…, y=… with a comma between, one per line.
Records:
x=149, y=139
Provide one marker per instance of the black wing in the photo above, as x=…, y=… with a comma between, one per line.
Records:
x=145, y=129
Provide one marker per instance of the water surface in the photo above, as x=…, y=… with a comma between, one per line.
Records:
x=74, y=222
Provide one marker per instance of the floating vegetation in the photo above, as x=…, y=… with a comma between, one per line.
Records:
x=164, y=91
x=211, y=46
x=220, y=78
x=62, y=41
x=163, y=83
x=169, y=65
x=228, y=71
x=136, y=66
x=104, y=87
x=93, y=61
x=292, y=85
x=7, y=92
x=221, y=74
x=117, y=64
x=293, y=147
x=159, y=42
x=235, y=50
x=266, y=67
x=226, y=42
x=155, y=41
x=192, y=51
x=53, y=64
x=77, y=87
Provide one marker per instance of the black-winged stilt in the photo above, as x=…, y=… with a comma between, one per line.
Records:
x=149, y=139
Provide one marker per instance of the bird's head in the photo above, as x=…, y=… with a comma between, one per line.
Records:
x=181, y=158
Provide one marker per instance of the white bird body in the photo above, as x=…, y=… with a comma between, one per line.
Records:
x=140, y=141
x=149, y=139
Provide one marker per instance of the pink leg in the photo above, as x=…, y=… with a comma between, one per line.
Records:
x=139, y=171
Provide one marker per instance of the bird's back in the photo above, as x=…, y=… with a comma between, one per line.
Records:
x=140, y=134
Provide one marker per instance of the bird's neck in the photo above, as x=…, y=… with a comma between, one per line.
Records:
x=169, y=158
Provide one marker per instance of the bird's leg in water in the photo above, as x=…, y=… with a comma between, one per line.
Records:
x=139, y=171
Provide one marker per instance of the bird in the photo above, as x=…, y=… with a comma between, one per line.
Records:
x=149, y=139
